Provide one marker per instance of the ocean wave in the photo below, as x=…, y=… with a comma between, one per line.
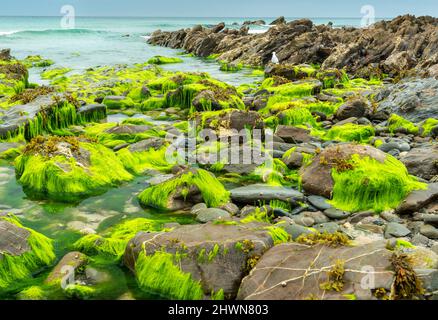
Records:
x=51, y=32
x=7, y=33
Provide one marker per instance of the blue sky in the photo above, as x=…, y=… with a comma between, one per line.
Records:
x=219, y=8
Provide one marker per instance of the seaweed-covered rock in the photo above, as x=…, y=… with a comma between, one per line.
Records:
x=189, y=187
x=195, y=261
x=68, y=169
x=358, y=177
x=23, y=251
x=229, y=119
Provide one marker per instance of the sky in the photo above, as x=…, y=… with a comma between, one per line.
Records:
x=219, y=8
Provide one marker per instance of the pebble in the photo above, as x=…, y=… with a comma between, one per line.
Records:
x=319, y=202
x=336, y=214
x=429, y=231
x=397, y=230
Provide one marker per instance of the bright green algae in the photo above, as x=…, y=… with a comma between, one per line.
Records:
x=63, y=177
x=372, y=184
x=213, y=192
x=15, y=268
x=159, y=273
x=113, y=242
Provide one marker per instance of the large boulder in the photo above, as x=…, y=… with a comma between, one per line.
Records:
x=297, y=272
x=317, y=177
x=211, y=257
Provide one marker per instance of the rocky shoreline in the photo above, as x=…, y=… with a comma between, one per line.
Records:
x=344, y=206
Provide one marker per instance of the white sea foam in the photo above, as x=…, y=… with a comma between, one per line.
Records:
x=8, y=33
x=257, y=31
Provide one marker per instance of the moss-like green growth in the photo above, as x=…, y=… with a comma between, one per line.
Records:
x=428, y=125
x=32, y=293
x=332, y=240
x=37, y=62
x=68, y=169
x=213, y=192
x=278, y=234
x=396, y=123
x=113, y=242
x=164, y=60
x=274, y=173
x=330, y=78
x=80, y=292
x=116, y=104
x=287, y=91
x=159, y=273
x=350, y=132
x=230, y=67
x=370, y=184
x=40, y=254
x=54, y=73
x=139, y=162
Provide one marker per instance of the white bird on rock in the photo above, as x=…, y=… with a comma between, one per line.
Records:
x=274, y=59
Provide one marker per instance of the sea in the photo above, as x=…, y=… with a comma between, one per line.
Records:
x=98, y=41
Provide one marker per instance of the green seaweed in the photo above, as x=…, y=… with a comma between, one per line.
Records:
x=158, y=273
x=372, y=185
x=212, y=191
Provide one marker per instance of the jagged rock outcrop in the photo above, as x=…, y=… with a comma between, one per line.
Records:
x=407, y=42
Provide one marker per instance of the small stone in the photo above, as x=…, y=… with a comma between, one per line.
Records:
x=390, y=217
x=295, y=230
x=336, y=214
x=397, y=230
x=231, y=208
x=429, y=231
x=198, y=207
x=211, y=214
x=329, y=227
x=419, y=239
x=319, y=202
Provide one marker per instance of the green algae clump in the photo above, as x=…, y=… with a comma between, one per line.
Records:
x=350, y=132
x=158, y=273
x=212, y=191
x=164, y=60
x=68, y=169
x=40, y=254
x=113, y=242
x=396, y=123
x=367, y=184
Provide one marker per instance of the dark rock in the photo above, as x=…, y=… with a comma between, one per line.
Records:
x=397, y=230
x=429, y=231
x=211, y=214
x=422, y=161
x=336, y=214
x=261, y=192
x=279, y=20
x=354, y=108
x=319, y=202
x=292, y=134
x=197, y=208
x=329, y=227
x=418, y=199
x=295, y=230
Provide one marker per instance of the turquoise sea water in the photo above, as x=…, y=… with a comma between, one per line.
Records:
x=108, y=41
